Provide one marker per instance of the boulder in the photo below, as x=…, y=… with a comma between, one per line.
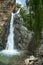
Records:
x=30, y=60
x=22, y=35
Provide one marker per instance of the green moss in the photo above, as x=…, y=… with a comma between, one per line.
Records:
x=2, y=30
x=4, y=59
x=0, y=7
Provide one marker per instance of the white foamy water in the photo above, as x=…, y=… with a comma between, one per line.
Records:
x=10, y=42
x=10, y=47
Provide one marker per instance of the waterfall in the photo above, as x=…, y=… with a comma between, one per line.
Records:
x=10, y=47
x=10, y=43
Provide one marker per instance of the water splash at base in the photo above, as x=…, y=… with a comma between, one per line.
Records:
x=9, y=52
x=10, y=47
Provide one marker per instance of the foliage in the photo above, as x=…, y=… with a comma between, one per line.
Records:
x=22, y=12
x=18, y=5
x=37, y=7
x=34, y=21
x=26, y=18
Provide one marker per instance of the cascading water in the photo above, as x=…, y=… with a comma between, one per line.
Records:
x=10, y=43
x=10, y=48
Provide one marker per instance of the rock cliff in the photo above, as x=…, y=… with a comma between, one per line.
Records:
x=6, y=7
x=22, y=34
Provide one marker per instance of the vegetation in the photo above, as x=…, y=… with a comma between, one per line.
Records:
x=18, y=5
x=34, y=20
x=37, y=7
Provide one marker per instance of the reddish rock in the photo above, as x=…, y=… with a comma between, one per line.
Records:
x=6, y=7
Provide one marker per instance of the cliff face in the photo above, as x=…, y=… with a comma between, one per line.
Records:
x=22, y=35
x=6, y=7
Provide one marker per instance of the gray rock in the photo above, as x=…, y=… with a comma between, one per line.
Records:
x=39, y=51
x=22, y=35
x=38, y=62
